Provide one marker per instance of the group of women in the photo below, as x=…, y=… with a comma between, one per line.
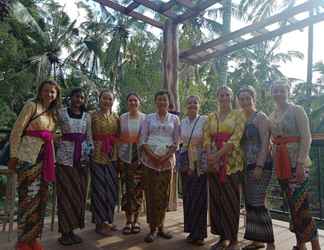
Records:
x=227, y=150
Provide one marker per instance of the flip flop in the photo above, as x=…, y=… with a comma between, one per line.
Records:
x=164, y=235
x=136, y=228
x=127, y=229
x=77, y=239
x=149, y=238
x=220, y=245
x=253, y=246
x=66, y=241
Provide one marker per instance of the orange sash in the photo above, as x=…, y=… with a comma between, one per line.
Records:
x=282, y=161
x=128, y=138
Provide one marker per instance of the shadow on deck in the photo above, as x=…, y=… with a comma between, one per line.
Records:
x=174, y=223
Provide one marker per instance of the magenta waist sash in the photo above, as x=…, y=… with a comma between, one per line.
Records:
x=77, y=138
x=220, y=139
x=48, y=167
x=107, y=141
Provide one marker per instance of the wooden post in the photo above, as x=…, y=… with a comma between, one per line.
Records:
x=170, y=83
x=310, y=50
x=170, y=62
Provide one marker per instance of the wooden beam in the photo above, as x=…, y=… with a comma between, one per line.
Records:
x=186, y=3
x=278, y=32
x=168, y=5
x=156, y=7
x=197, y=9
x=133, y=14
x=132, y=6
x=251, y=28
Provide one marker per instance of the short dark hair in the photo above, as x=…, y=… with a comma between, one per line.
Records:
x=106, y=91
x=134, y=94
x=75, y=91
x=162, y=92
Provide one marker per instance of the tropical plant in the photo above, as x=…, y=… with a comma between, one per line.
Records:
x=49, y=35
x=4, y=8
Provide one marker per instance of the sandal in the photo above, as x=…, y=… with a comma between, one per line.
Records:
x=127, y=229
x=149, y=238
x=77, y=239
x=189, y=239
x=198, y=242
x=112, y=227
x=254, y=246
x=36, y=245
x=66, y=240
x=102, y=230
x=233, y=247
x=298, y=248
x=23, y=246
x=220, y=245
x=164, y=235
x=136, y=228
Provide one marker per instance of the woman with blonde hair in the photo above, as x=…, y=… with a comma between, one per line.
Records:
x=222, y=135
x=32, y=157
x=291, y=137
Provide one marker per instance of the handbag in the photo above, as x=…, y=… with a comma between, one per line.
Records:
x=5, y=150
x=182, y=156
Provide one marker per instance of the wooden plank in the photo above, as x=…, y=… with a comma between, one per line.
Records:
x=298, y=25
x=156, y=7
x=131, y=7
x=197, y=9
x=133, y=14
x=250, y=28
x=186, y=3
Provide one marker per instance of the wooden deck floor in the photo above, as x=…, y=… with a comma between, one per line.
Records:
x=174, y=223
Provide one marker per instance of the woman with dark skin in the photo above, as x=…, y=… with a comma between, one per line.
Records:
x=159, y=139
x=32, y=157
x=72, y=166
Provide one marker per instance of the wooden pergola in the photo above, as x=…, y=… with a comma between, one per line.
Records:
x=294, y=18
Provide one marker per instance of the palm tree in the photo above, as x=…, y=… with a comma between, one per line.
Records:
x=4, y=8
x=49, y=35
x=259, y=65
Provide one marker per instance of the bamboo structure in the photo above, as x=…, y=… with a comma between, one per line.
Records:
x=288, y=20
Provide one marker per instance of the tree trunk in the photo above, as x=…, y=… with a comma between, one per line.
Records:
x=170, y=63
x=223, y=62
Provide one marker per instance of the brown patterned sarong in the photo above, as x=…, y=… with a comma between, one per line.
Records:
x=224, y=206
x=32, y=199
x=71, y=186
x=157, y=193
x=132, y=181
